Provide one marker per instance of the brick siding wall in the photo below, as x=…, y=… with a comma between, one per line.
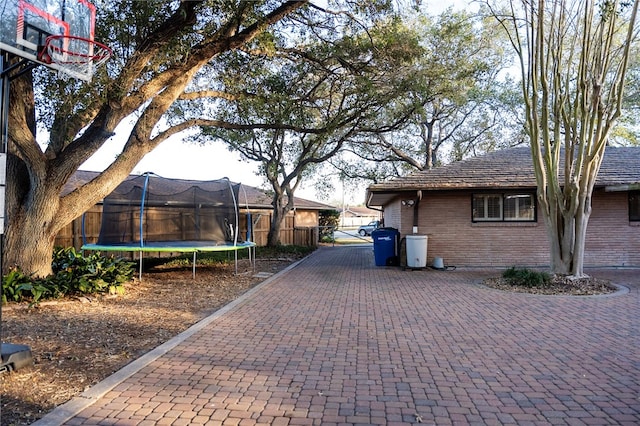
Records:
x=445, y=217
x=392, y=215
x=612, y=240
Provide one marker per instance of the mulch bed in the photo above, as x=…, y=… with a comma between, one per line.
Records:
x=558, y=286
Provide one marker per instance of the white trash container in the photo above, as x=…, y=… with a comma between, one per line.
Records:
x=416, y=251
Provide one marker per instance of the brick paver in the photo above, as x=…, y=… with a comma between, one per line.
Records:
x=337, y=340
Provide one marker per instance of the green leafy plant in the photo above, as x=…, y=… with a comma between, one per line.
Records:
x=94, y=273
x=17, y=285
x=73, y=273
x=328, y=221
x=526, y=277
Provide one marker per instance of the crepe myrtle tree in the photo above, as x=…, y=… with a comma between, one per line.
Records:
x=573, y=57
x=162, y=49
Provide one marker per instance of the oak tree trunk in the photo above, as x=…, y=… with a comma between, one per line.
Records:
x=34, y=224
x=273, y=237
x=282, y=205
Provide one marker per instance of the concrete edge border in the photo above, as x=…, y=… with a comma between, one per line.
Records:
x=62, y=413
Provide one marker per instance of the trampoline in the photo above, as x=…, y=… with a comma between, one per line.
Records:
x=150, y=213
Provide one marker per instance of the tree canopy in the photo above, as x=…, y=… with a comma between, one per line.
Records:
x=168, y=57
x=297, y=107
x=460, y=104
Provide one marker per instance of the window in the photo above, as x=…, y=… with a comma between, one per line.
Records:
x=519, y=207
x=634, y=206
x=503, y=207
x=487, y=207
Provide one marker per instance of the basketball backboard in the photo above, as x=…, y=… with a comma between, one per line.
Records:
x=26, y=24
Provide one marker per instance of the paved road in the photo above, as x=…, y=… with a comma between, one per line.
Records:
x=351, y=235
x=338, y=341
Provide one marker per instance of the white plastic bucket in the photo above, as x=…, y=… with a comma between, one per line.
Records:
x=416, y=251
x=438, y=263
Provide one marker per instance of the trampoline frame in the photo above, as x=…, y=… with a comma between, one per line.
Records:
x=179, y=246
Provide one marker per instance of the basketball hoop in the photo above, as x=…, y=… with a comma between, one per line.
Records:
x=74, y=55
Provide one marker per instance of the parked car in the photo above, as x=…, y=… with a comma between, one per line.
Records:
x=367, y=229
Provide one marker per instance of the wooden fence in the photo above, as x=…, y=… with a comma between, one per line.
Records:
x=71, y=235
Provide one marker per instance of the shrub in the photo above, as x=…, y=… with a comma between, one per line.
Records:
x=525, y=277
x=18, y=286
x=328, y=220
x=327, y=239
x=94, y=273
x=73, y=273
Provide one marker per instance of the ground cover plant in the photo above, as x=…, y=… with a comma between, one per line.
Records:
x=73, y=273
x=526, y=277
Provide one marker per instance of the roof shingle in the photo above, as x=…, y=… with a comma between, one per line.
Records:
x=511, y=168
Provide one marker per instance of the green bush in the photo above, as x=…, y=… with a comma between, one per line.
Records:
x=73, y=273
x=17, y=286
x=327, y=239
x=328, y=220
x=94, y=273
x=525, y=277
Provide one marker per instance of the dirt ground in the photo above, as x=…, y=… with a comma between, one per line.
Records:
x=78, y=342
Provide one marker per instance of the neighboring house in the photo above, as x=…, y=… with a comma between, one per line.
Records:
x=483, y=211
x=353, y=217
x=300, y=226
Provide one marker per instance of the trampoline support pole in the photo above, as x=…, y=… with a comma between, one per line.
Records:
x=194, y=265
x=140, y=269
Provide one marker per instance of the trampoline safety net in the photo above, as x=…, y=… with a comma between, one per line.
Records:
x=149, y=208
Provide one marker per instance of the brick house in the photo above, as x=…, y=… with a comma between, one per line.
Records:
x=483, y=211
x=354, y=216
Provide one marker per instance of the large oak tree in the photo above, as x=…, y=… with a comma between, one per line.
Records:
x=461, y=106
x=312, y=101
x=166, y=55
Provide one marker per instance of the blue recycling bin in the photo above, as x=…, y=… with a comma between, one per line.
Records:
x=385, y=246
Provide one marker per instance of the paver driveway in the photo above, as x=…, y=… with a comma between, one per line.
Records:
x=336, y=340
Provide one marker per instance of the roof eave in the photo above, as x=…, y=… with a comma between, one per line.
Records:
x=623, y=187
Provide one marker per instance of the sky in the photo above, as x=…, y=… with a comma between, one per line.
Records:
x=177, y=159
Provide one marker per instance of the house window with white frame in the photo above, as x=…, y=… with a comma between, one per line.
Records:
x=634, y=206
x=510, y=207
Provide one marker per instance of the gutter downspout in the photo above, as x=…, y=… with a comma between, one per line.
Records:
x=381, y=210
x=415, y=212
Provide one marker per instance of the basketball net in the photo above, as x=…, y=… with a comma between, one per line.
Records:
x=75, y=56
